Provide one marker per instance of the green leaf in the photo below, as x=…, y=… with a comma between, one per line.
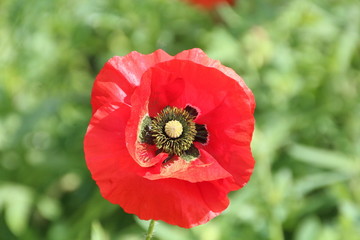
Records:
x=98, y=232
x=309, y=183
x=309, y=229
x=17, y=202
x=324, y=159
x=49, y=208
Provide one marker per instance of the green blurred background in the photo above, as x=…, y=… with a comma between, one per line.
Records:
x=301, y=58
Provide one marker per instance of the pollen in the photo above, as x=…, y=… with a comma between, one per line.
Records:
x=173, y=129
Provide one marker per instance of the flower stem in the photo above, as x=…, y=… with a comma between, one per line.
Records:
x=150, y=231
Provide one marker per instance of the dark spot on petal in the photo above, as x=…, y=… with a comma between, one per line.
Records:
x=145, y=131
x=191, y=154
x=169, y=157
x=158, y=151
x=201, y=133
x=192, y=111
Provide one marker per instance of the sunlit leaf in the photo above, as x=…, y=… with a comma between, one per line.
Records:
x=17, y=202
x=98, y=232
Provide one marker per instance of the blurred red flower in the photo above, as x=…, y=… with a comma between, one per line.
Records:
x=208, y=4
x=170, y=136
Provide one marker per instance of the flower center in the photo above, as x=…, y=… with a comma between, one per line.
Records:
x=173, y=129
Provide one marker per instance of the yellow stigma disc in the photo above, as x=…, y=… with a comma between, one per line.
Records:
x=173, y=129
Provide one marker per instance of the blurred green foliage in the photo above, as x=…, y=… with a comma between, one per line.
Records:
x=301, y=58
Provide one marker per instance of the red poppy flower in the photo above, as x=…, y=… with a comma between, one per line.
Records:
x=170, y=136
x=208, y=4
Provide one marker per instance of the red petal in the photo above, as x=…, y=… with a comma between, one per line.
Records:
x=205, y=168
x=120, y=75
x=209, y=4
x=173, y=201
x=142, y=153
x=104, y=144
x=179, y=83
x=224, y=107
x=230, y=128
x=196, y=55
